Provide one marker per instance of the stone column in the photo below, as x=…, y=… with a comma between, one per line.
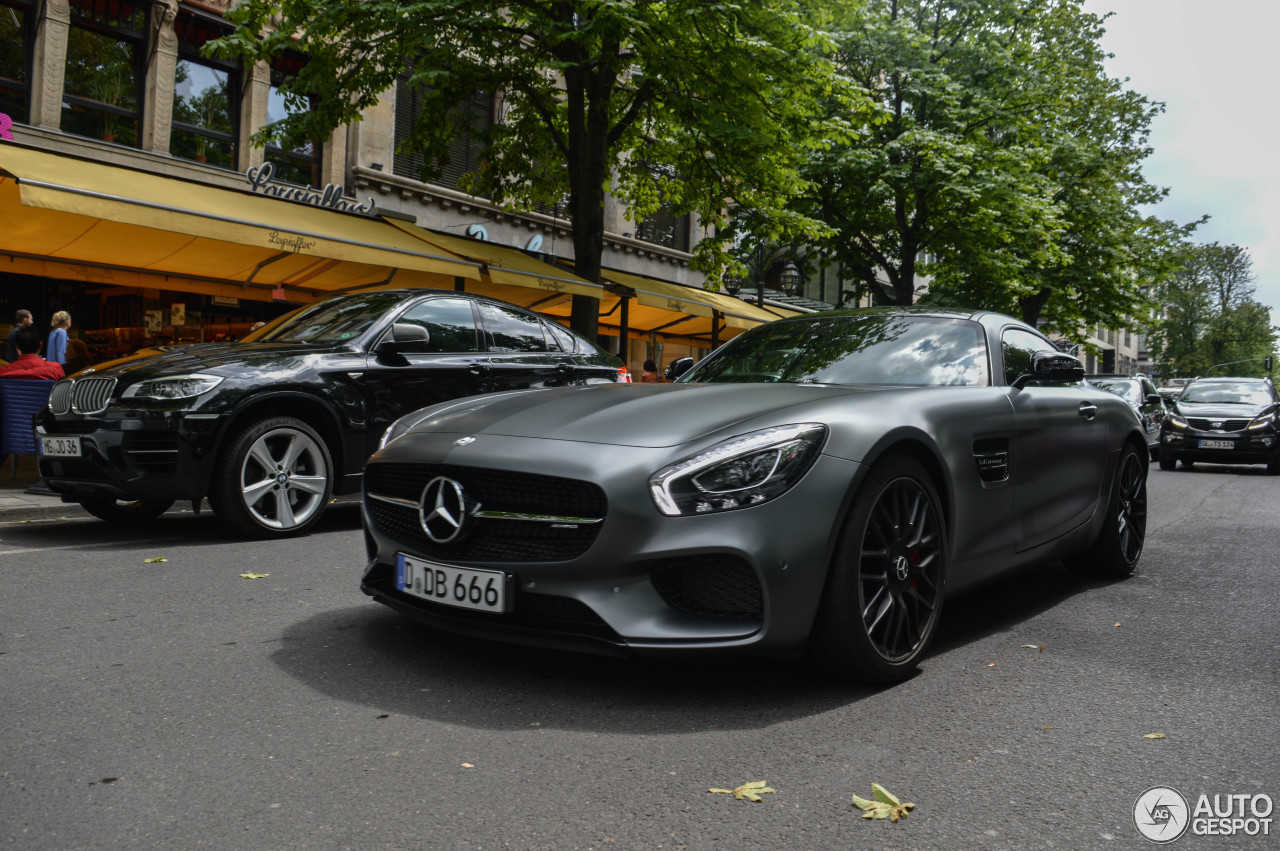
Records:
x=157, y=108
x=253, y=113
x=49, y=68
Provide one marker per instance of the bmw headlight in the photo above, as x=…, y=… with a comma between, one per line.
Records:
x=172, y=387
x=738, y=473
x=1262, y=422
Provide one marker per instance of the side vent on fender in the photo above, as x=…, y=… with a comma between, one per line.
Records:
x=992, y=457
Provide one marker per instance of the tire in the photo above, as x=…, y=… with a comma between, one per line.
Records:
x=274, y=479
x=1186, y=464
x=1167, y=461
x=125, y=511
x=1116, y=550
x=886, y=582
x=1273, y=466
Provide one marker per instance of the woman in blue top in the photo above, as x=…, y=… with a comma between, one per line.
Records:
x=56, y=349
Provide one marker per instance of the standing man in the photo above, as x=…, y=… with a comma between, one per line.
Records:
x=21, y=320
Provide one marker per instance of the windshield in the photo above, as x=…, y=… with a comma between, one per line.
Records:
x=1227, y=393
x=861, y=349
x=331, y=321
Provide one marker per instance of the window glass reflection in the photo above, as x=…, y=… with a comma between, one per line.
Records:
x=102, y=83
x=203, y=125
x=509, y=331
x=449, y=322
x=14, y=71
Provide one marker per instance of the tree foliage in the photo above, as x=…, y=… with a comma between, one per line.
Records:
x=685, y=103
x=1004, y=163
x=1211, y=316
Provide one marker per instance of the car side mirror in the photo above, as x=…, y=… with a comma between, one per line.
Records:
x=1052, y=368
x=404, y=337
x=1155, y=399
x=678, y=367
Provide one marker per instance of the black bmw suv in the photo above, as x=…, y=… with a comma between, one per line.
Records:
x=267, y=429
x=1223, y=421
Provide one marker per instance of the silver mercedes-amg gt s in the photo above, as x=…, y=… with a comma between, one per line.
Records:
x=814, y=487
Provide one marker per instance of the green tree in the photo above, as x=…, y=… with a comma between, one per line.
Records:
x=679, y=102
x=1004, y=163
x=1211, y=316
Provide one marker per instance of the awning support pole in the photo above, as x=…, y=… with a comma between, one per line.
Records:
x=263, y=265
x=715, y=329
x=622, y=332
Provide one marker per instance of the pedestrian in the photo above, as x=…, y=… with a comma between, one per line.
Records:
x=29, y=363
x=22, y=319
x=77, y=356
x=650, y=374
x=57, y=351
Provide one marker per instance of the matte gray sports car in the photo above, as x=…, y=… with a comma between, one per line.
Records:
x=814, y=487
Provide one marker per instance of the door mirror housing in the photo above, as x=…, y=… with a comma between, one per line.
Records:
x=678, y=367
x=1052, y=368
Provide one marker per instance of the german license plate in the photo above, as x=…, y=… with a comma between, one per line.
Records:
x=60, y=447
x=1217, y=444
x=464, y=587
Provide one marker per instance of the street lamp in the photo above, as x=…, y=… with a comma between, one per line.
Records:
x=733, y=285
x=790, y=279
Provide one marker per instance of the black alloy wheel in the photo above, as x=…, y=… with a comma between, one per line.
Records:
x=274, y=479
x=885, y=591
x=1118, y=547
x=125, y=510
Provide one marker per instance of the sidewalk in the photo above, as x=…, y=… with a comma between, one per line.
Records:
x=16, y=504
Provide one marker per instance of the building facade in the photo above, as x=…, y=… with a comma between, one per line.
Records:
x=126, y=83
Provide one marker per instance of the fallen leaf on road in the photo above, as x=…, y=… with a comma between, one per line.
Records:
x=156, y=560
x=747, y=791
x=1039, y=647
x=255, y=575
x=992, y=665
x=1155, y=736
x=467, y=765
x=885, y=805
x=1117, y=623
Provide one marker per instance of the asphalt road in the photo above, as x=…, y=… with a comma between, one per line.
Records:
x=176, y=704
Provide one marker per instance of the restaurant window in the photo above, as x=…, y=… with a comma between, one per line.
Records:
x=301, y=164
x=205, y=105
x=466, y=148
x=17, y=37
x=103, y=93
x=664, y=227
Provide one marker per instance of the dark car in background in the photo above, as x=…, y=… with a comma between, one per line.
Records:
x=1223, y=421
x=816, y=487
x=268, y=428
x=1142, y=395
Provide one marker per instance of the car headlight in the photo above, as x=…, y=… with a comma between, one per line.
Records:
x=738, y=473
x=1175, y=421
x=172, y=387
x=1262, y=422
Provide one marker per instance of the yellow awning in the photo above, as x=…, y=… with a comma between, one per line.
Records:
x=677, y=298
x=68, y=209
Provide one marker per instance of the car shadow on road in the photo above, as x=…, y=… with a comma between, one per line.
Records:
x=373, y=656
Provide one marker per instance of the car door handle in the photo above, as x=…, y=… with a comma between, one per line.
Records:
x=1088, y=410
x=478, y=369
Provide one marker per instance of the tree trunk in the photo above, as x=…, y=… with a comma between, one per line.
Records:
x=1032, y=305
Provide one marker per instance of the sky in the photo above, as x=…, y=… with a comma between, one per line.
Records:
x=1217, y=145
